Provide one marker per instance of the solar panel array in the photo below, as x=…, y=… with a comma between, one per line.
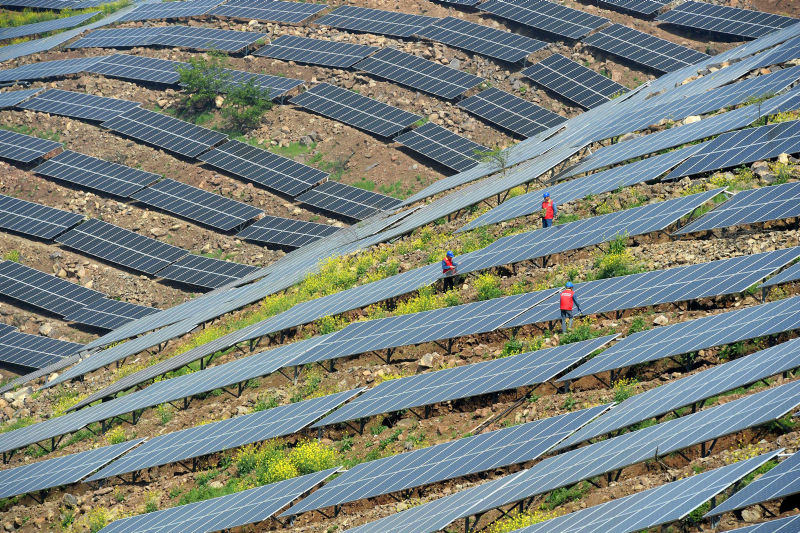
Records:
x=511, y=112
x=443, y=146
x=94, y=173
x=490, y=42
x=13, y=32
x=109, y=314
x=140, y=68
x=48, y=69
x=316, y=51
x=789, y=524
x=78, y=105
x=285, y=231
x=347, y=200
x=166, y=132
x=378, y=21
x=24, y=148
x=642, y=7
x=41, y=4
x=167, y=10
x=205, y=271
x=355, y=110
x=724, y=19
x=573, y=81
x=418, y=73
x=121, y=246
x=792, y=273
x=263, y=167
x=34, y=219
x=270, y=10
x=174, y=35
x=644, y=49
x=12, y=98
x=34, y=351
x=546, y=16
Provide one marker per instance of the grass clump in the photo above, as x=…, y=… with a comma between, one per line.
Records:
x=519, y=519
x=624, y=389
x=488, y=286
x=116, y=435
x=11, y=255
x=616, y=261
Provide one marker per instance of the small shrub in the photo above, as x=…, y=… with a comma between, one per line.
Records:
x=203, y=80
x=263, y=404
x=488, y=287
x=11, y=255
x=151, y=502
x=569, y=402
x=245, y=104
x=518, y=520
x=98, y=518
x=164, y=412
x=624, y=389
x=116, y=435
x=312, y=456
x=638, y=324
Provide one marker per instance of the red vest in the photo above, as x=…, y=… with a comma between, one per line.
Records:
x=548, y=212
x=447, y=265
x=566, y=299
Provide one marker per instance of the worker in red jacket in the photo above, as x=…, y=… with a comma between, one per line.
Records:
x=549, y=211
x=449, y=271
x=567, y=301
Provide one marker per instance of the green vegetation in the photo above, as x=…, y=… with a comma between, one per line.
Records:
x=624, y=389
x=11, y=255
x=616, y=261
x=488, y=286
x=563, y=495
x=497, y=157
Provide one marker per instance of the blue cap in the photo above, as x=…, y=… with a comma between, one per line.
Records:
x=568, y=285
x=450, y=254
x=546, y=195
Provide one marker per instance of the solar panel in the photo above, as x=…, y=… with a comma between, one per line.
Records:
x=685, y=337
x=724, y=19
x=41, y=4
x=183, y=36
x=285, y=231
x=78, y=105
x=224, y=435
x=12, y=98
x=138, y=68
x=263, y=167
x=501, y=374
x=120, y=37
x=378, y=21
x=347, y=200
x=205, y=271
x=96, y=173
x=738, y=147
x=418, y=73
x=5, y=328
x=109, y=314
x=547, y=16
x=511, y=112
x=460, y=2
x=642, y=7
x=573, y=81
x=449, y=460
x=238, y=509
x=270, y=10
x=644, y=49
x=277, y=85
x=781, y=53
x=205, y=207
x=443, y=146
x=24, y=148
x=167, y=10
x=60, y=470
x=43, y=290
x=47, y=26
x=789, y=524
x=34, y=219
x=121, y=246
x=792, y=273
x=34, y=351
x=596, y=459
x=481, y=39
x=166, y=132
x=315, y=51
x=660, y=505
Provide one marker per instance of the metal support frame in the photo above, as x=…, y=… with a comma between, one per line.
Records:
x=704, y=452
x=362, y=422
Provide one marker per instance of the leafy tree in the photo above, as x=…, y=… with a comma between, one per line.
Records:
x=245, y=104
x=203, y=80
x=497, y=156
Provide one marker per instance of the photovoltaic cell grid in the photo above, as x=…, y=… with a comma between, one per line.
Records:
x=376, y=21
x=12, y=98
x=347, y=200
x=182, y=36
x=24, y=148
x=78, y=105
x=285, y=231
x=224, y=435
x=315, y=51
x=34, y=351
x=792, y=273
x=196, y=204
x=138, y=68
x=109, y=314
x=790, y=524
x=263, y=167
x=781, y=481
x=643, y=7
x=44, y=290
x=547, y=16
x=355, y=110
x=96, y=173
x=34, y=219
x=443, y=146
x=724, y=19
x=166, y=132
x=693, y=335
x=5, y=328
x=44, y=27
x=241, y=508
x=695, y=388
x=60, y=470
x=270, y=10
x=121, y=246
x=644, y=49
x=418, y=73
x=120, y=37
x=461, y=457
x=41, y=4
x=277, y=85
x=781, y=53
x=166, y=10
x=481, y=39
x=511, y=112
x=573, y=81
x=205, y=271
x=462, y=382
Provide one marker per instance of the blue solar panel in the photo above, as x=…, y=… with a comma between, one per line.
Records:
x=12, y=98
x=790, y=524
x=47, y=26
x=547, y=16
x=378, y=21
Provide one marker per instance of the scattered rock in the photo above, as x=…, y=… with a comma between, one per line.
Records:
x=70, y=501
x=429, y=360
x=46, y=329
x=661, y=320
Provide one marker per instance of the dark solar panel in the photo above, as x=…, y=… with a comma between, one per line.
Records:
x=377, y=21
x=34, y=351
x=316, y=51
x=790, y=524
x=24, y=148
x=12, y=98
x=13, y=32
x=790, y=274
x=547, y=16
x=418, y=73
x=121, y=246
x=109, y=314
x=43, y=290
x=40, y=4
x=78, y=105
x=166, y=132
x=263, y=167
x=443, y=146
x=34, y=219
x=724, y=19
x=205, y=271
x=347, y=200
x=5, y=328
x=270, y=10
x=511, y=112
x=642, y=7
x=139, y=68
x=285, y=231
x=120, y=37
x=481, y=39
x=277, y=85
x=179, y=36
x=166, y=10
x=49, y=69
x=644, y=49
x=573, y=81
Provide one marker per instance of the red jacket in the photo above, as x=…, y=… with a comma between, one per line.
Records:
x=567, y=298
x=548, y=211
x=448, y=265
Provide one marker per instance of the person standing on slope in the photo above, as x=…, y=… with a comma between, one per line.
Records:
x=549, y=211
x=568, y=300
